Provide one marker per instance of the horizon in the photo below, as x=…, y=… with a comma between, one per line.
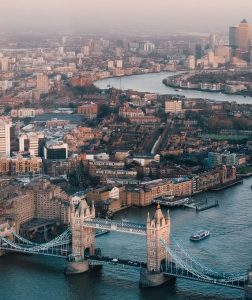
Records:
x=124, y=17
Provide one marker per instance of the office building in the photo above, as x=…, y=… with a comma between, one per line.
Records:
x=244, y=35
x=5, y=126
x=55, y=150
x=233, y=36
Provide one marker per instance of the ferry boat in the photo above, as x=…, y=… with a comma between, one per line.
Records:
x=200, y=235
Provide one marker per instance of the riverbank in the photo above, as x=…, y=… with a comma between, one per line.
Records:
x=222, y=91
x=226, y=185
x=211, y=81
x=152, y=83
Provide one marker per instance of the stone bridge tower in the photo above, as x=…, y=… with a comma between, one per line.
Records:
x=83, y=239
x=248, y=286
x=157, y=228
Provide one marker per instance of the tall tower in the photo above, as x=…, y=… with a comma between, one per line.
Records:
x=157, y=228
x=233, y=36
x=244, y=35
x=248, y=285
x=83, y=239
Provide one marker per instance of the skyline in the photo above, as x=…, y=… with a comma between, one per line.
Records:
x=123, y=16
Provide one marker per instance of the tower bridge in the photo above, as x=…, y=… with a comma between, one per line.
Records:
x=166, y=258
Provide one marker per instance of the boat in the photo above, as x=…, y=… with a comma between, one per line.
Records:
x=171, y=202
x=200, y=235
x=178, y=90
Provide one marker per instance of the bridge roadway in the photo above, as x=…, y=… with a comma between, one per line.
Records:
x=105, y=260
x=120, y=226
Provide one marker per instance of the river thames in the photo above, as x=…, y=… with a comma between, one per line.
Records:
x=228, y=249
x=153, y=83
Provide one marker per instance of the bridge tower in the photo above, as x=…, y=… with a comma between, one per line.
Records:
x=248, y=286
x=157, y=228
x=83, y=239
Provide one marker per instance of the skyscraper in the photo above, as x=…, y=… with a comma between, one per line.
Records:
x=244, y=35
x=198, y=51
x=5, y=125
x=212, y=41
x=233, y=36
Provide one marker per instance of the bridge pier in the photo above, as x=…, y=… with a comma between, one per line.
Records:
x=76, y=267
x=152, y=279
x=248, y=286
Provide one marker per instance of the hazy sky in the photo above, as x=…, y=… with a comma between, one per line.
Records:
x=123, y=15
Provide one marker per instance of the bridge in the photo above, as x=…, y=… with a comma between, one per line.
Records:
x=166, y=257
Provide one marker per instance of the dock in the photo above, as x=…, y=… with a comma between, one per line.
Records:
x=202, y=206
x=205, y=206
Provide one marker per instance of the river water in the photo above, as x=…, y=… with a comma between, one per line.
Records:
x=153, y=83
x=228, y=249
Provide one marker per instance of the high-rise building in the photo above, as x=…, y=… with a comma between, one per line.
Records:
x=42, y=83
x=5, y=64
x=233, y=36
x=212, y=41
x=244, y=35
x=198, y=51
x=190, y=62
x=5, y=125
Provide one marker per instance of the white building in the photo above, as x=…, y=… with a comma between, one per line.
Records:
x=190, y=62
x=119, y=63
x=30, y=142
x=5, y=125
x=110, y=64
x=25, y=112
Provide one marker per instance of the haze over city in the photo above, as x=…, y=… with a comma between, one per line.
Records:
x=160, y=16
